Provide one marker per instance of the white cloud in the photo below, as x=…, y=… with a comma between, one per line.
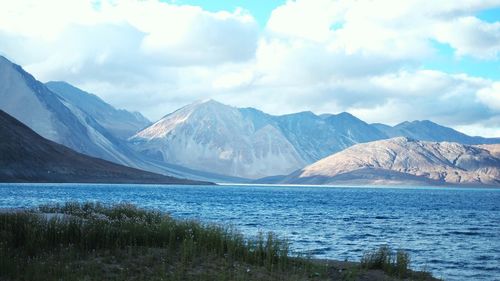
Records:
x=470, y=36
x=401, y=29
x=478, y=129
x=235, y=79
x=490, y=96
x=441, y=97
x=321, y=55
x=189, y=35
x=45, y=20
x=301, y=19
x=166, y=33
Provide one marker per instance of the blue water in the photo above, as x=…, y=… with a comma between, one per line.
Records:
x=452, y=232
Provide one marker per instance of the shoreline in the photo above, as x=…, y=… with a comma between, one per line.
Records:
x=224, y=184
x=384, y=186
x=321, y=268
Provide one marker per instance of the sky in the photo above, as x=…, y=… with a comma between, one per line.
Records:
x=383, y=61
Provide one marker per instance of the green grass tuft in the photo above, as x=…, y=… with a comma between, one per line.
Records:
x=393, y=263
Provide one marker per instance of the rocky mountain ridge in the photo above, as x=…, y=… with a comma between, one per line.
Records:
x=400, y=160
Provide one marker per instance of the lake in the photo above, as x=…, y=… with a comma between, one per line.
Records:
x=452, y=232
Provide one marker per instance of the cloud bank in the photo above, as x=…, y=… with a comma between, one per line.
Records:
x=365, y=57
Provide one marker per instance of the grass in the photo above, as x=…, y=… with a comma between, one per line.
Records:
x=92, y=241
x=393, y=263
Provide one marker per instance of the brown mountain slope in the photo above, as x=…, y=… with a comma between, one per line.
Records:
x=403, y=160
x=494, y=149
x=27, y=157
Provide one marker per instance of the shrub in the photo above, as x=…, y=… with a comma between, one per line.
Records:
x=393, y=263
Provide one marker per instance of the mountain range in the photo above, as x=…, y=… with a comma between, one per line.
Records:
x=56, y=118
x=245, y=142
x=81, y=121
x=206, y=140
x=430, y=131
x=402, y=160
x=28, y=157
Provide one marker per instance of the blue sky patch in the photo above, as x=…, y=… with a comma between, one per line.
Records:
x=490, y=15
x=445, y=60
x=260, y=9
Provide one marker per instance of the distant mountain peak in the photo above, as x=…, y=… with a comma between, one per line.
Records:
x=345, y=118
x=307, y=113
x=426, y=123
x=427, y=130
x=209, y=102
x=404, y=123
x=197, y=113
x=301, y=114
x=345, y=114
x=200, y=105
